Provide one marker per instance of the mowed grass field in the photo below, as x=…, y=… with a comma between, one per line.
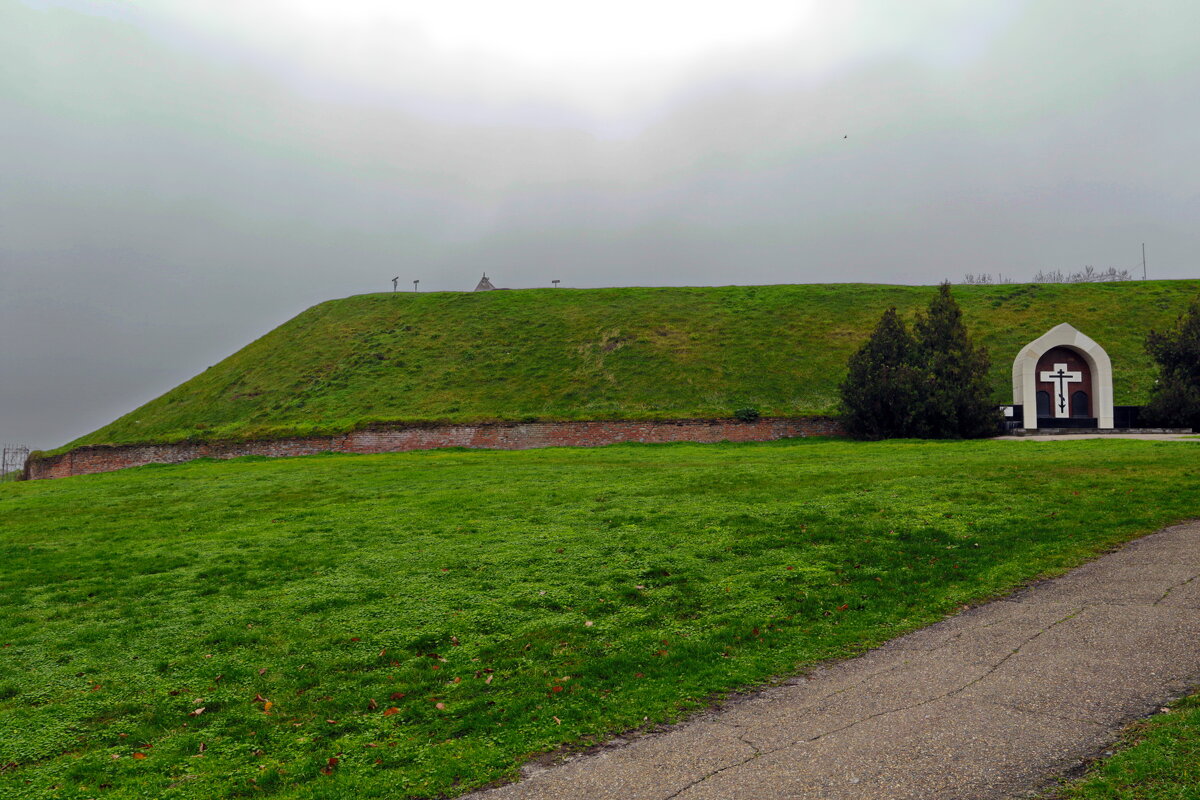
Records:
x=627, y=353
x=415, y=625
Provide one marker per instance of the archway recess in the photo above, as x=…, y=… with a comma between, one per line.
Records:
x=1025, y=378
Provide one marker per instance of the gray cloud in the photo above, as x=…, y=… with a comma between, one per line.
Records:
x=171, y=191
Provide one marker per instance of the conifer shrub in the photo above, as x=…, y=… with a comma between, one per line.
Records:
x=1175, y=397
x=930, y=384
x=880, y=391
x=954, y=400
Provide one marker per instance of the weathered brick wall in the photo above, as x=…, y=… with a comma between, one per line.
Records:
x=493, y=436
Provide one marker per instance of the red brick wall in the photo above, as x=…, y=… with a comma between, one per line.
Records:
x=493, y=436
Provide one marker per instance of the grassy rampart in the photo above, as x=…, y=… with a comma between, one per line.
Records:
x=631, y=353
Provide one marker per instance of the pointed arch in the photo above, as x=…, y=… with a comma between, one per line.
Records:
x=1064, y=335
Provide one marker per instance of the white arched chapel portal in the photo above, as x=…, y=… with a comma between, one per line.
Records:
x=1025, y=377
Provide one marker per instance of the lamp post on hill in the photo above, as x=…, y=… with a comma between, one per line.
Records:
x=418, y=280
x=396, y=283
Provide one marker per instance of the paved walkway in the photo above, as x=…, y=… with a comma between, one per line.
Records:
x=991, y=703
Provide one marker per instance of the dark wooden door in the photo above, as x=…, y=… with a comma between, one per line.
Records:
x=1064, y=376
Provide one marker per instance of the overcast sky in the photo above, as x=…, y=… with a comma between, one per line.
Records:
x=177, y=177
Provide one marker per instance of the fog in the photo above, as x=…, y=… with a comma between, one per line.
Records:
x=180, y=177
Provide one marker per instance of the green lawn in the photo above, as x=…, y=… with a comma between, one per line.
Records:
x=630, y=353
x=1161, y=763
x=502, y=603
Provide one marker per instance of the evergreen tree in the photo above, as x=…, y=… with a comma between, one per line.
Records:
x=878, y=394
x=954, y=400
x=1175, y=398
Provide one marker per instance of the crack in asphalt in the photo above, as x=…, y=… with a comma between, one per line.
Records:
x=741, y=738
x=759, y=752
x=1173, y=588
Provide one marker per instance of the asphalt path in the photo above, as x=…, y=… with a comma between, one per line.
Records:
x=994, y=702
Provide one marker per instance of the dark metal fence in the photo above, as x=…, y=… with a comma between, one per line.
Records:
x=12, y=461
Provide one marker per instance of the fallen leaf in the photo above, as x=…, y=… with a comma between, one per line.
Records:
x=843, y=607
x=588, y=624
x=332, y=721
x=488, y=679
x=387, y=712
x=258, y=698
x=440, y=706
x=267, y=706
x=556, y=689
x=557, y=721
x=458, y=680
x=355, y=639
x=381, y=652
x=200, y=711
x=262, y=671
x=454, y=641
x=329, y=766
x=139, y=756
x=372, y=705
x=203, y=747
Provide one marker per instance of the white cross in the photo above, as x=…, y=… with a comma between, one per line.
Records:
x=1061, y=379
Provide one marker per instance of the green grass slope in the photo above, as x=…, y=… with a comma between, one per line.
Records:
x=430, y=620
x=608, y=353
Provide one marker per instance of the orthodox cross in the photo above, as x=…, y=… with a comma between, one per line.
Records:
x=1062, y=380
x=395, y=281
